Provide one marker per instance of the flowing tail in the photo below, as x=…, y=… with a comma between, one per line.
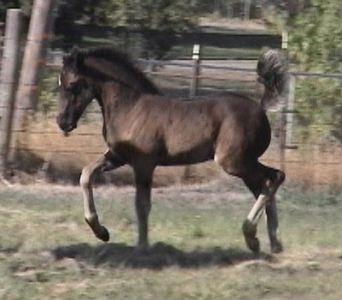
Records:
x=273, y=73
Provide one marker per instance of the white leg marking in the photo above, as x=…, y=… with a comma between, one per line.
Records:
x=87, y=191
x=257, y=209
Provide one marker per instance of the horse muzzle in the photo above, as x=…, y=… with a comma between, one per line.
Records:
x=66, y=125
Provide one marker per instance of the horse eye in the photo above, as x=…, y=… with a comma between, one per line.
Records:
x=72, y=87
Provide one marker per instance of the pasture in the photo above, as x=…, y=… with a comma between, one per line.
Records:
x=198, y=250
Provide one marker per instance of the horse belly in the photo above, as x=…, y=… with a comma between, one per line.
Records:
x=184, y=156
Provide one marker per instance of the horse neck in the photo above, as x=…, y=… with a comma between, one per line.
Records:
x=128, y=78
x=119, y=87
x=115, y=97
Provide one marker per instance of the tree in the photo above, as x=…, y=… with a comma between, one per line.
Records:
x=68, y=13
x=173, y=16
x=148, y=19
x=25, y=5
x=315, y=45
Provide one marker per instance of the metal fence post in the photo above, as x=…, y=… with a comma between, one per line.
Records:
x=290, y=110
x=196, y=57
x=196, y=70
x=8, y=77
x=283, y=114
x=246, y=10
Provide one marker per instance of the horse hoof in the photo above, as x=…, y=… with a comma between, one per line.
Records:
x=249, y=231
x=253, y=244
x=277, y=247
x=103, y=235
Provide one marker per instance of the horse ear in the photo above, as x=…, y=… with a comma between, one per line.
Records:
x=78, y=60
x=74, y=59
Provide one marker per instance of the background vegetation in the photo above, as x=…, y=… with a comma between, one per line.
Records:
x=315, y=46
x=314, y=40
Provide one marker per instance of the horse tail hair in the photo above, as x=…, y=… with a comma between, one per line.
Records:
x=272, y=70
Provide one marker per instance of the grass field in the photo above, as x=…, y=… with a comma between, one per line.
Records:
x=198, y=252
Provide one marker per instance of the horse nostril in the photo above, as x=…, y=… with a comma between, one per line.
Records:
x=65, y=124
x=62, y=123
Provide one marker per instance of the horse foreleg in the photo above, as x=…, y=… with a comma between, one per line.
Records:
x=143, y=205
x=105, y=163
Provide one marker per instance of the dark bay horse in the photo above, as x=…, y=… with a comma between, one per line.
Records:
x=144, y=129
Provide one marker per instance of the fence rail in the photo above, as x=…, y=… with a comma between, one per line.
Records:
x=154, y=62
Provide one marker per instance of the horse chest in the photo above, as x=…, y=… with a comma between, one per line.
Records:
x=132, y=145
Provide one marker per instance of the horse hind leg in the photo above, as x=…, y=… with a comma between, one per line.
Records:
x=272, y=226
x=234, y=166
x=263, y=182
x=105, y=163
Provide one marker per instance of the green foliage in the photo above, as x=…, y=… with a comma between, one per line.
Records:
x=92, y=12
x=174, y=15
x=135, y=15
x=319, y=109
x=315, y=45
x=316, y=36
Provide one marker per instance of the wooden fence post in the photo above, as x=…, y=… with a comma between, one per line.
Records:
x=8, y=77
x=34, y=59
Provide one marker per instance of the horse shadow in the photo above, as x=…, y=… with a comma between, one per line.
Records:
x=158, y=256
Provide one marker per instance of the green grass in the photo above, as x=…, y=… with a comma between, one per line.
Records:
x=197, y=252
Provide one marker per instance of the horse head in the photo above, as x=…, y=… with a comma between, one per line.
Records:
x=76, y=91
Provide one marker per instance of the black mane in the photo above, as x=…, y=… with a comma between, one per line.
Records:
x=113, y=56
